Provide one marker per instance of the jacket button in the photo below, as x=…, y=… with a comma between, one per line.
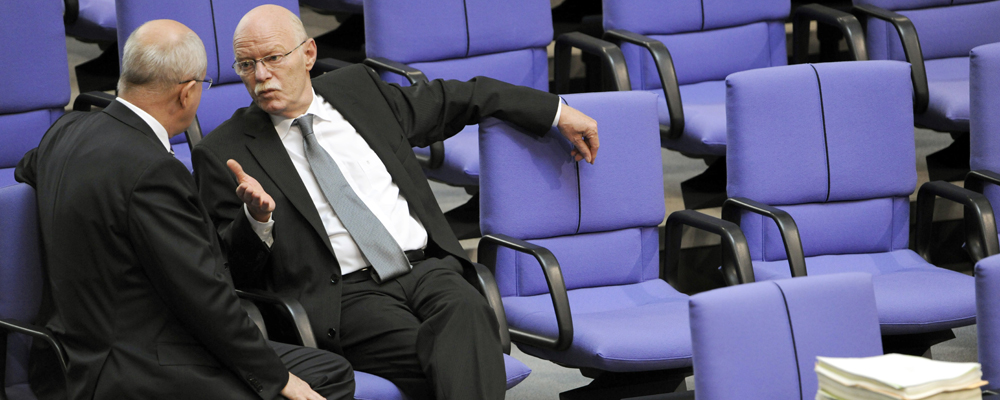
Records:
x=331, y=333
x=333, y=279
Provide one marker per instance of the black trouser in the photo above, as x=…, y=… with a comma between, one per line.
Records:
x=429, y=332
x=327, y=373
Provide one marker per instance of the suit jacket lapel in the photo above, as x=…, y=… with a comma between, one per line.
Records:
x=270, y=153
x=370, y=125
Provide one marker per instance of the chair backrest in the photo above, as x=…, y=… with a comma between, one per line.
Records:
x=761, y=339
x=215, y=22
x=37, y=86
x=461, y=39
x=707, y=39
x=984, y=113
x=20, y=272
x=947, y=28
x=598, y=220
x=832, y=144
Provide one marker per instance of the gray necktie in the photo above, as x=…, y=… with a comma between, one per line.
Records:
x=376, y=243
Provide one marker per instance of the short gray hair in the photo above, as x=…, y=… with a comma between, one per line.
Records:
x=159, y=64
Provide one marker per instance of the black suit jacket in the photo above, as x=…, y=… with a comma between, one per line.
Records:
x=392, y=120
x=138, y=291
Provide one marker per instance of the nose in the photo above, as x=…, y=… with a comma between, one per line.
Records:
x=261, y=72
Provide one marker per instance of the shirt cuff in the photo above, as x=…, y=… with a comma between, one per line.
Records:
x=555, y=122
x=263, y=229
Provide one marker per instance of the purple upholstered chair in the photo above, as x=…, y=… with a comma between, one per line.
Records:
x=940, y=57
x=827, y=150
x=91, y=20
x=988, y=319
x=37, y=88
x=984, y=121
x=434, y=39
x=761, y=340
x=215, y=22
x=575, y=246
x=20, y=286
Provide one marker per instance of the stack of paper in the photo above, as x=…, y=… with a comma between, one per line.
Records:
x=896, y=376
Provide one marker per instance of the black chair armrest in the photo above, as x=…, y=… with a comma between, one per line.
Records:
x=911, y=48
x=786, y=226
x=8, y=326
x=737, y=267
x=412, y=75
x=291, y=309
x=72, y=12
x=668, y=77
x=324, y=65
x=85, y=101
x=846, y=22
x=612, y=60
x=976, y=180
x=487, y=285
x=980, y=224
x=553, y=277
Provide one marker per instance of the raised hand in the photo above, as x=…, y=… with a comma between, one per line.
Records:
x=259, y=203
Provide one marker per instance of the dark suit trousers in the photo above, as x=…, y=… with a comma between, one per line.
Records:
x=429, y=332
x=327, y=373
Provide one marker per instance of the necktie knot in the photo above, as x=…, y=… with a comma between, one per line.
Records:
x=305, y=123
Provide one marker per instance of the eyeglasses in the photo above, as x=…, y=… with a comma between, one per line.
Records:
x=205, y=83
x=247, y=67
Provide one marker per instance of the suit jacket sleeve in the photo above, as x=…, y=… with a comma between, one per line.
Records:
x=436, y=110
x=243, y=248
x=169, y=228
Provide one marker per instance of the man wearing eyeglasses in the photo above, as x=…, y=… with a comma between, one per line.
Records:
x=137, y=288
x=319, y=176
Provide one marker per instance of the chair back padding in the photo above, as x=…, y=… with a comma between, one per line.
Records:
x=599, y=220
x=833, y=144
x=984, y=113
x=461, y=39
x=37, y=85
x=215, y=22
x=946, y=29
x=707, y=39
x=761, y=339
x=20, y=272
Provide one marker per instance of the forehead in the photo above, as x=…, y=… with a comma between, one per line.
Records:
x=262, y=40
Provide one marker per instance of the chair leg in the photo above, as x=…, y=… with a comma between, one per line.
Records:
x=618, y=386
x=917, y=344
x=950, y=163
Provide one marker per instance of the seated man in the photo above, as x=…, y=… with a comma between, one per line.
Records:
x=324, y=177
x=137, y=287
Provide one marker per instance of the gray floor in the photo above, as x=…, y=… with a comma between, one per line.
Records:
x=548, y=379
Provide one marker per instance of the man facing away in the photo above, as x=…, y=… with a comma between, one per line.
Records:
x=137, y=287
x=319, y=176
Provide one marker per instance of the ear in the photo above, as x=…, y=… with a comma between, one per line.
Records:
x=310, y=52
x=186, y=97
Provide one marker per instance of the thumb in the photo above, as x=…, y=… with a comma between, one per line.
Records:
x=237, y=170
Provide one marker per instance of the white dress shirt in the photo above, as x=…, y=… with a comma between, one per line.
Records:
x=155, y=125
x=365, y=173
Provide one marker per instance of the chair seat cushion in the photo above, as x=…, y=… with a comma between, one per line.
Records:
x=704, y=118
x=912, y=295
x=637, y=327
x=371, y=387
x=461, y=159
x=948, y=89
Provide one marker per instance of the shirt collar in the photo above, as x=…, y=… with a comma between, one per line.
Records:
x=158, y=129
x=282, y=125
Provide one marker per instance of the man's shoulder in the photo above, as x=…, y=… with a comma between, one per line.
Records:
x=350, y=75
